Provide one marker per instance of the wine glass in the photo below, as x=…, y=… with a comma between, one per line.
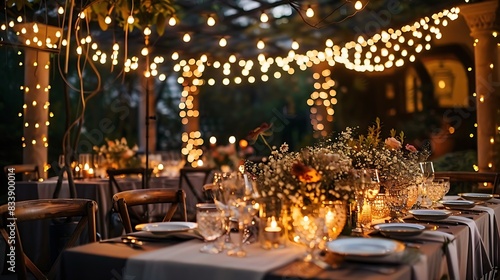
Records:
x=211, y=225
x=366, y=187
x=427, y=173
x=221, y=196
x=243, y=206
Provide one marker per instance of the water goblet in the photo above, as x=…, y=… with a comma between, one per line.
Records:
x=427, y=173
x=211, y=225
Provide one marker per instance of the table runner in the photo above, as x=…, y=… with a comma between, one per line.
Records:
x=176, y=262
x=479, y=262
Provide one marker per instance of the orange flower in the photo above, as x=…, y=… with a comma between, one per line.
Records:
x=305, y=173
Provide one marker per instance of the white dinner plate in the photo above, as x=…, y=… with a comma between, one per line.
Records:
x=476, y=196
x=364, y=247
x=457, y=204
x=399, y=229
x=166, y=227
x=430, y=214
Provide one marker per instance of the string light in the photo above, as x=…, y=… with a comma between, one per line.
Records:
x=310, y=12
x=263, y=17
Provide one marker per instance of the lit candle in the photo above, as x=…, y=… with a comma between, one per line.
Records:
x=273, y=231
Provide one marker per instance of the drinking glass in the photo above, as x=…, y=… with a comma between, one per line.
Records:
x=427, y=173
x=309, y=227
x=221, y=197
x=366, y=187
x=244, y=210
x=211, y=225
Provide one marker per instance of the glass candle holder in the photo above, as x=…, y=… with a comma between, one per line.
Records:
x=272, y=231
x=379, y=207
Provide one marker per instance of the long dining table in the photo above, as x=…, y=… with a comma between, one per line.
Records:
x=469, y=251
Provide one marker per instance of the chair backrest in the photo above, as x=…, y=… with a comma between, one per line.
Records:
x=41, y=209
x=29, y=170
x=472, y=177
x=123, y=202
x=113, y=173
x=195, y=189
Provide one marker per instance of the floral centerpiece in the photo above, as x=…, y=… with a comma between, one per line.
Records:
x=311, y=175
x=396, y=161
x=118, y=154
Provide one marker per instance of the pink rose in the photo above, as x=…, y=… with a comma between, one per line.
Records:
x=411, y=148
x=393, y=143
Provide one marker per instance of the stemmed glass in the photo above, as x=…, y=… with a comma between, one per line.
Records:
x=211, y=225
x=221, y=196
x=243, y=206
x=366, y=187
x=427, y=173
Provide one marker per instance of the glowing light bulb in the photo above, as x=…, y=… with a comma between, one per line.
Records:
x=310, y=12
x=130, y=19
x=264, y=17
x=358, y=5
x=223, y=42
x=107, y=20
x=186, y=38
x=172, y=21
x=261, y=45
x=210, y=21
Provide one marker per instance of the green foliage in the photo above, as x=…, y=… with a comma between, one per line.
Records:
x=145, y=12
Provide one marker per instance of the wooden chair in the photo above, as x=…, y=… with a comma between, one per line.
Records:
x=123, y=202
x=40, y=209
x=185, y=177
x=31, y=171
x=472, y=177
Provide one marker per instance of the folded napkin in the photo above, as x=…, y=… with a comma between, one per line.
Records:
x=479, y=261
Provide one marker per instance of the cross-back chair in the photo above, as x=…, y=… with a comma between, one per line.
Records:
x=30, y=171
x=44, y=209
x=124, y=201
x=472, y=177
x=185, y=176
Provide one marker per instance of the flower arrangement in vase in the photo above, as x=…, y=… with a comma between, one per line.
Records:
x=118, y=154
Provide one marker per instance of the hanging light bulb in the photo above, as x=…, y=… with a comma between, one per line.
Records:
x=261, y=45
x=107, y=20
x=172, y=21
x=223, y=42
x=211, y=21
x=130, y=19
x=186, y=37
x=358, y=5
x=147, y=31
x=264, y=17
x=310, y=12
